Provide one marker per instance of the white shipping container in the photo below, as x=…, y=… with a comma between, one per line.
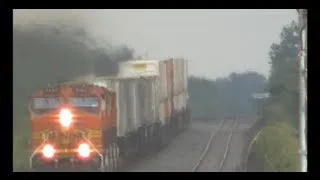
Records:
x=138, y=68
x=183, y=80
x=176, y=83
x=176, y=75
x=122, y=121
x=179, y=82
x=163, y=90
x=128, y=107
x=153, y=74
x=170, y=85
x=154, y=98
x=136, y=104
x=147, y=100
x=185, y=75
x=185, y=84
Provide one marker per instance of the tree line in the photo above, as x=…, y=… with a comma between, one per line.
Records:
x=277, y=147
x=226, y=96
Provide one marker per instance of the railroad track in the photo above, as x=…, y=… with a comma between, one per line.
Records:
x=215, y=154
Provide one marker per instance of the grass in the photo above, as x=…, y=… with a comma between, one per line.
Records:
x=278, y=146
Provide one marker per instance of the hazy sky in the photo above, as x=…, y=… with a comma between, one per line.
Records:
x=217, y=42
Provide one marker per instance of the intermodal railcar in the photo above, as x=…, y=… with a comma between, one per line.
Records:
x=103, y=123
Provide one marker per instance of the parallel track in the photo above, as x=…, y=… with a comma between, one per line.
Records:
x=217, y=145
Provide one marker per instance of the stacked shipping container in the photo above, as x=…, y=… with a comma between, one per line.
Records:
x=147, y=91
x=180, y=80
x=167, y=80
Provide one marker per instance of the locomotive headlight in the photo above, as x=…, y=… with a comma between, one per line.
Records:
x=48, y=151
x=84, y=150
x=65, y=118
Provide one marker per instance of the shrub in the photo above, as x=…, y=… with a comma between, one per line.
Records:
x=278, y=146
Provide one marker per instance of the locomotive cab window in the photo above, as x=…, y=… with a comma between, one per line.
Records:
x=90, y=104
x=43, y=105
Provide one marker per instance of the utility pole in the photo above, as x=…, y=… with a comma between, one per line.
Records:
x=303, y=86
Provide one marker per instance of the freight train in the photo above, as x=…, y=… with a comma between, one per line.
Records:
x=103, y=123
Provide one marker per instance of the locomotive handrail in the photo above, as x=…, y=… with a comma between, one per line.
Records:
x=35, y=151
x=87, y=140
x=96, y=150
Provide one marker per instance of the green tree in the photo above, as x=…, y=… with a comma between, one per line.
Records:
x=283, y=81
x=278, y=144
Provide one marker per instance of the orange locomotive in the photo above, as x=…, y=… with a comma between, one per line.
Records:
x=73, y=125
x=83, y=124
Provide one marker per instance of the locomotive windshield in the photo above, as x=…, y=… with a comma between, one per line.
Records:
x=42, y=105
x=84, y=102
x=46, y=103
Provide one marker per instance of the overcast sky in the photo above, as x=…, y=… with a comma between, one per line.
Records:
x=217, y=42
